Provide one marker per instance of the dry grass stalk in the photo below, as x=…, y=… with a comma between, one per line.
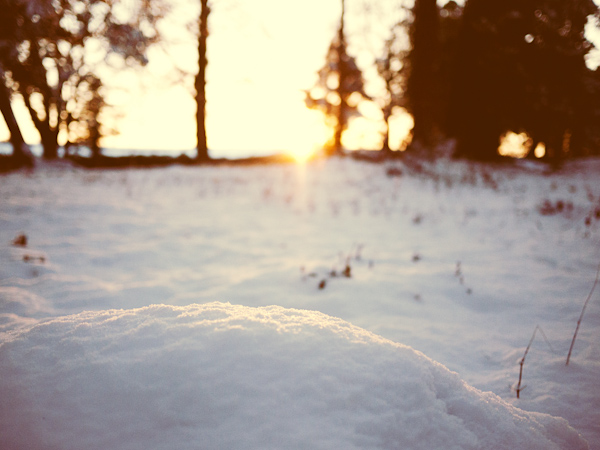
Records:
x=522, y=362
x=587, y=300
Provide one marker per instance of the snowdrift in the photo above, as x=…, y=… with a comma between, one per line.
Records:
x=217, y=376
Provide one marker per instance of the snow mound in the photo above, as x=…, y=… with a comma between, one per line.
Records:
x=217, y=376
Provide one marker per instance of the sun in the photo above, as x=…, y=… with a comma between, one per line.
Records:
x=302, y=154
x=308, y=135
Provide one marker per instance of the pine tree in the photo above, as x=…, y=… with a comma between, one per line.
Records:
x=339, y=88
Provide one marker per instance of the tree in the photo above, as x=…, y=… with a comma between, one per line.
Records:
x=416, y=69
x=8, y=24
x=21, y=151
x=83, y=118
x=521, y=67
x=592, y=125
x=200, y=84
x=53, y=69
x=339, y=88
x=422, y=90
x=391, y=69
x=451, y=15
x=562, y=109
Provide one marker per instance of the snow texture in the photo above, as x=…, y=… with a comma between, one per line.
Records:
x=225, y=376
x=460, y=261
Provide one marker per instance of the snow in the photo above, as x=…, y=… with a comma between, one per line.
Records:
x=178, y=307
x=232, y=376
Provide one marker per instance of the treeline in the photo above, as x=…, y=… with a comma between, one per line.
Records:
x=520, y=66
x=473, y=73
x=469, y=72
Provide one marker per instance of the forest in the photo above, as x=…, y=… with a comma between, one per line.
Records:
x=466, y=73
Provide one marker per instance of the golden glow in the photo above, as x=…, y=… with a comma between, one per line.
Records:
x=310, y=134
x=515, y=145
x=540, y=150
x=301, y=156
x=401, y=124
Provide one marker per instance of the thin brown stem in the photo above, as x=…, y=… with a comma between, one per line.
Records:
x=587, y=300
x=522, y=362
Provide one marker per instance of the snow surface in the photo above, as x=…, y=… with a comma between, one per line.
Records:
x=459, y=261
x=223, y=376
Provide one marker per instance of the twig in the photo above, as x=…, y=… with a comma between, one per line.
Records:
x=519, y=389
x=581, y=315
x=522, y=362
x=546, y=339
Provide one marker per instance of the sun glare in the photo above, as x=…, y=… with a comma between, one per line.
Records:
x=309, y=134
x=515, y=145
x=302, y=154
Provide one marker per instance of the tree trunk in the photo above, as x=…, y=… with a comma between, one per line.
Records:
x=342, y=75
x=94, y=142
x=422, y=83
x=50, y=144
x=200, y=84
x=479, y=143
x=20, y=149
x=386, y=137
x=48, y=133
x=48, y=136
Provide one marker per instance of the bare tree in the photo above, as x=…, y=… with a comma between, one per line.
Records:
x=52, y=69
x=21, y=153
x=200, y=83
x=8, y=49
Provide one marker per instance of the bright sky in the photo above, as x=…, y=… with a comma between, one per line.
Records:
x=262, y=54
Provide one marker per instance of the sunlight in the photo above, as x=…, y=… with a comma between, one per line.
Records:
x=170, y=127
x=308, y=135
x=302, y=154
x=540, y=150
x=515, y=145
x=401, y=124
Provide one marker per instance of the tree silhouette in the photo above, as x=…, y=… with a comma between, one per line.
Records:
x=200, y=83
x=417, y=72
x=89, y=103
x=521, y=67
x=591, y=126
x=21, y=154
x=451, y=15
x=51, y=68
x=423, y=88
x=8, y=45
x=391, y=69
x=561, y=108
x=339, y=88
